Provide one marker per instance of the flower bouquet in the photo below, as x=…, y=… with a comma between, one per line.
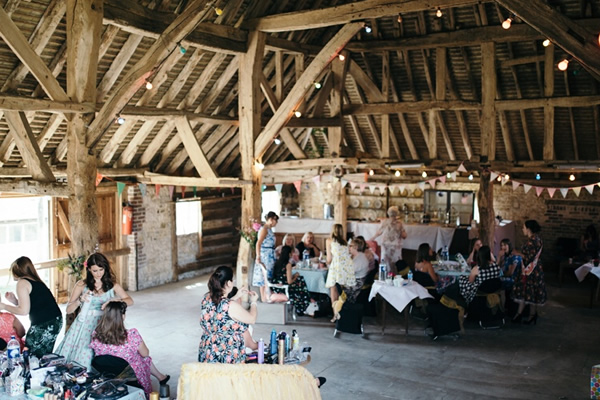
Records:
x=74, y=266
x=250, y=232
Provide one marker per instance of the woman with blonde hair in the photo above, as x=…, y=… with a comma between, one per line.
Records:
x=308, y=243
x=392, y=234
x=288, y=240
x=34, y=298
x=341, y=268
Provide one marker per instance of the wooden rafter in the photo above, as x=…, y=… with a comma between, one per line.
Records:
x=193, y=149
x=488, y=96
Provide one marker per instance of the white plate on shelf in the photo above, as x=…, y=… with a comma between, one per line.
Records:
x=377, y=204
x=368, y=204
x=372, y=216
x=355, y=203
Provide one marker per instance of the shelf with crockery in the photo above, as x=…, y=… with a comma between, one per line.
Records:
x=372, y=207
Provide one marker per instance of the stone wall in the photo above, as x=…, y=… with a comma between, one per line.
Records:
x=151, y=242
x=188, y=248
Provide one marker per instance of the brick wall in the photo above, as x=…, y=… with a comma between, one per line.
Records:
x=151, y=260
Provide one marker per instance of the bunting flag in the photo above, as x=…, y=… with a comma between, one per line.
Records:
x=392, y=188
x=381, y=189
x=344, y=183
x=157, y=190
x=401, y=188
x=421, y=185
x=99, y=177
x=493, y=175
x=503, y=180
x=577, y=190
x=278, y=187
x=462, y=168
x=142, y=187
x=515, y=185
x=372, y=189
x=120, y=187
x=551, y=191
x=539, y=190
x=526, y=188
x=442, y=178
x=432, y=182
x=353, y=185
x=362, y=187
x=453, y=176
x=317, y=181
x=590, y=188
x=171, y=190
x=196, y=193
x=298, y=186
x=564, y=192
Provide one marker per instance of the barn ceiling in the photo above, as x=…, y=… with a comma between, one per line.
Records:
x=413, y=86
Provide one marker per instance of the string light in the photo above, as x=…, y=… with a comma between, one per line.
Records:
x=563, y=65
x=506, y=178
x=507, y=23
x=470, y=177
x=448, y=175
x=297, y=113
x=499, y=178
x=538, y=177
x=397, y=173
x=218, y=11
x=399, y=18
x=277, y=141
x=438, y=13
x=259, y=165
x=148, y=85
x=182, y=49
x=371, y=172
x=120, y=120
x=571, y=177
x=341, y=57
x=318, y=85
x=424, y=174
x=546, y=43
x=368, y=28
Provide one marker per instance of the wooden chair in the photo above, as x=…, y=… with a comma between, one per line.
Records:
x=270, y=285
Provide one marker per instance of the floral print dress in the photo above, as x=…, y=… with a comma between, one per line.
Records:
x=222, y=338
x=531, y=289
x=267, y=257
x=298, y=291
x=129, y=352
x=341, y=269
x=391, y=242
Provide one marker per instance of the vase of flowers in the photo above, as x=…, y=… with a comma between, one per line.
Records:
x=73, y=266
x=250, y=232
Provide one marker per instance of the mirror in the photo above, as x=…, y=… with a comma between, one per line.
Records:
x=450, y=206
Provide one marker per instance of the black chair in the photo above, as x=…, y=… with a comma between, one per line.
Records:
x=113, y=367
x=487, y=307
x=369, y=307
x=446, y=317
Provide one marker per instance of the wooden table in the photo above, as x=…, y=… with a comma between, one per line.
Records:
x=399, y=297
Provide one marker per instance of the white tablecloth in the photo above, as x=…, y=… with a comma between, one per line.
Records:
x=582, y=271
x=437, y=236
x=314, y=278
x=303, y=225
x=399, y=296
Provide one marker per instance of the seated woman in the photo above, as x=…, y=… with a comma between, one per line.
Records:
x=236, y=295
x=223, y=321
x=510, y=263
x=485, y=269
x=472, y=259
x=371, y=257
x=111, y=338
x=288, y=240
x=423, y=265
x=308, y=243
x=282, y=273
x=9, y=326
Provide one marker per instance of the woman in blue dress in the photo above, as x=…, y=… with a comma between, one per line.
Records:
x=265, y=253
x=510, y=262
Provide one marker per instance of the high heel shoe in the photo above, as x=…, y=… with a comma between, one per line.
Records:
x=164, y=381
x=517, y=318
x=531, y=320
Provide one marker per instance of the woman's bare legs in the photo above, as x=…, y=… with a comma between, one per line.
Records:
x=156, y=373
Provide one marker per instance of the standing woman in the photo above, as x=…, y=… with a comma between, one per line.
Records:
x=265, y=253
x=530, y=287
x=224, y=322
x=392, y=233
x=92, y=295
x=34, y=298
x=341, y=268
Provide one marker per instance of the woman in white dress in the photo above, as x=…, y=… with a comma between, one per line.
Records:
x=392, y=234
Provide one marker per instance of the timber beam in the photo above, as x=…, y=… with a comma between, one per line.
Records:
x=21, y=103
x=159, y=179
x=34, y=188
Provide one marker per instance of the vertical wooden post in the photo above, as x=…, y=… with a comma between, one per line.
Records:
x=488, y=98
x=549, y=110
x=385, y=119
x=84, y=27
x=340, y=208
x=485, y=199
x=338, y=70
x=249, y=111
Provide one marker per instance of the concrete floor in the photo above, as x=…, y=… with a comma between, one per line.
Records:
x=549, y=361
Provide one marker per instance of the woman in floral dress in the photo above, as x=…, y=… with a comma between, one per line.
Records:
x=92, y=294
x=223, y=321
x=392, y=233
x=34, y=298
x=282, y=273
x=265, y=253
x=341, y=268
x=111, y=338
x=530, y=287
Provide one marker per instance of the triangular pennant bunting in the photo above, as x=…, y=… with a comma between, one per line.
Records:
x=352, y=185
x=421, y=185
x=493, y=175
x=142, y=187
x=278, y=187
x=99, y=177
x=120, y=187
x=317, y=180
x=577, y=190
x=381, y=189
x=442, y=179
x=526, y=188
x=462, y=168
x=401, y=188
x=453, y=175
x=372, y=188
x=298, y=186
x=432, y=182
x=362, y=187
x=551, y=191
x=539, y=190
x=171, y=190
x=515, y=185
x=344, y=183
x=590, y=188
x=564, y=192
x=392, y=188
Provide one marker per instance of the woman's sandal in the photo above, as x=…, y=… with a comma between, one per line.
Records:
x=164, y=381
x=322, y=380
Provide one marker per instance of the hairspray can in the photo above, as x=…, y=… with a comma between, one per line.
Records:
x=261, y=351
x=281, y=351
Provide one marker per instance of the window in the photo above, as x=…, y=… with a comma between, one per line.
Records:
x=271, y=201
x=188, y=217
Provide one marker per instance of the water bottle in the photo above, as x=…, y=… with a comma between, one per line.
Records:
x=306, y=258
x=382, y=271
x=13, y=351
x=295, y=340
x=273, y=342
x=446, y=254
x=261, y=351
x=410, y=276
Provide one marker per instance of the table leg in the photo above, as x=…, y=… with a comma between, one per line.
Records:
x=406, y=319
x=594, y=290
x=384, y=301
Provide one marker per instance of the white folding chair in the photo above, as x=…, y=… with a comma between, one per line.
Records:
x=285, y=288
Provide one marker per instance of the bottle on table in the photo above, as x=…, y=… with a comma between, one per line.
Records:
x=295, y=340
x=273, y=343
x=13, y=352
x=382, y=271
x=410, y=276
x=446, y=253
x=306, y=258
x=261, y=351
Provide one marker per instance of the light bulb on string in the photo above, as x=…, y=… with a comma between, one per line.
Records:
x=182, y=49
x=438, y=13
x=563, y=65
x=368, y=29
x=397, y=173
x=149, y=85
x=399, y=18
x=499, y=178
x=371, y=172
x=470, y=177
x=448, y=175
x=424, y=174
x=341, y=57
x=506, y=178
x=259, y=165
x=572, y=177
x=297, y=113
x=218, y=11
x=546, y=43
x=277, y=141
x=538, y=177
x=507, y=23
x=120, y=120
x=318, y=85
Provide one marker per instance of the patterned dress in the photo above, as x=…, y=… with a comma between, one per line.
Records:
x=298, y=291
x=76, y=343
x=222, y=338
x=468, y=290
x=341, y=269
x=7, y=329
x=267, y=257
x=391, y=242
x=129, y=352
x=508, y=281
x=531, y=289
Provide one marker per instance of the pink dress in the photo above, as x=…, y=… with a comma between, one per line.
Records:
x=129, y=352
x=7, y=329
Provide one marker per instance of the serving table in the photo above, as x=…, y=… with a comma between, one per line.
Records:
x=399, y=297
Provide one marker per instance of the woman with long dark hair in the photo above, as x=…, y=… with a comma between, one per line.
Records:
x=92, y=294
x=224, y=321
x=112, y=338
x=282, y=273
x=265, y=253
x=34, y=298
